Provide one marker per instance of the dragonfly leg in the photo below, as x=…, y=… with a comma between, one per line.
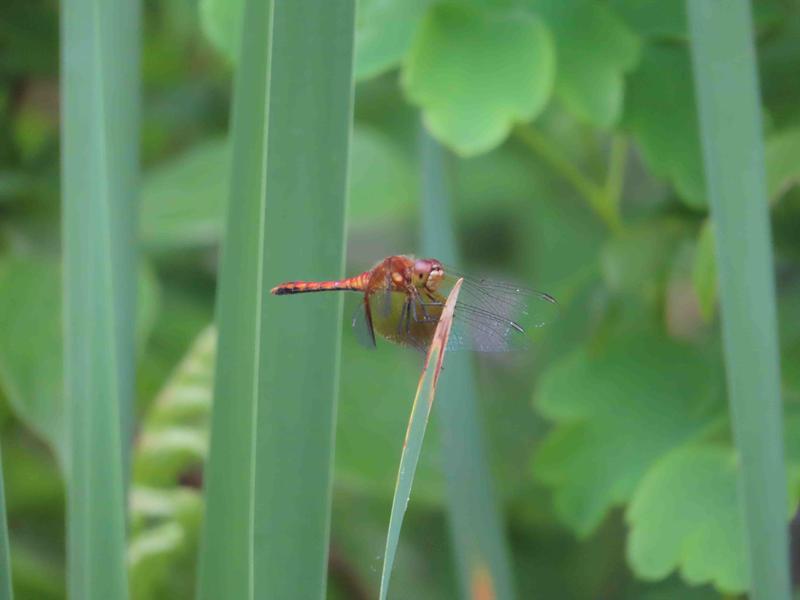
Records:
x=402, y=319
x=368, y=312
x=428, y=318
x=418, y=302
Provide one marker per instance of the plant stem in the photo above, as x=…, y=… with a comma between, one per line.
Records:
x=476, y=525
x=599, y=198
x=616, y=171
x=5, y=556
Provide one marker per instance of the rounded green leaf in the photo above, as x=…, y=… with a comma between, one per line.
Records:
x=686, y=515
x=31, y=369
x=383, y=186
x=660, y=112
x=595, y=49
x=619, y=409
x=656, y=19
x=783, y=168
x=183, y=200
x=384, y=30
x=638, y=261
x=222, y=23
x=31, y=354
x=476, y=72
x=704, y=271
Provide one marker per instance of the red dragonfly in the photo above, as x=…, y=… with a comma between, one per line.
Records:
x=403, y=299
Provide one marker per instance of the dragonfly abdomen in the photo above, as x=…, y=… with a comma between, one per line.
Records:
x=355, y=284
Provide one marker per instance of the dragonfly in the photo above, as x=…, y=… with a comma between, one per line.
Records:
x=403, y=298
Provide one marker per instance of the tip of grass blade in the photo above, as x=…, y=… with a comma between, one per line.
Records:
x=441, y=335
x=415, y=433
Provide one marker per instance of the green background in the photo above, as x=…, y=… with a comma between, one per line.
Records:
x=573, y=158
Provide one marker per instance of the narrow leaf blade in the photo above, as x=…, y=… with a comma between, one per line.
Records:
x=5, y=555
x=99, y=164
x=722, y=41
x=475, y=527
x=226, y=559
x=415, y=433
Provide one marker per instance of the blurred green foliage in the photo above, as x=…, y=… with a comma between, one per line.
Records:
x=609, y=444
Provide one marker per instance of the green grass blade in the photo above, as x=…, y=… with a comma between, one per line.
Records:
x=5, y=554
x=226, y=552
x=99, y=148
x=475, y=526
x=269, y=473
x=730, y=121
x=415, y=433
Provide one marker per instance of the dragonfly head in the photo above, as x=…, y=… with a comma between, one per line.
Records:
x=428, y=273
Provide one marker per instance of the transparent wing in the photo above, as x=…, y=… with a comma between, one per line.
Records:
x=365, y=335
x=493, y=316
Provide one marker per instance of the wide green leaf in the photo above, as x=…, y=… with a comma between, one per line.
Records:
x=268, y=475
x=686, y=515
x=704, y=271
x=222, y=23
x=783, y=168
x=595, y=50
x=637, y=262
x=31, y=356
x=384, y=30
x=183, y=199
x=382, y=184
x=475, y=72
x=660, y=113
x=619, y=409
x=99, y=95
